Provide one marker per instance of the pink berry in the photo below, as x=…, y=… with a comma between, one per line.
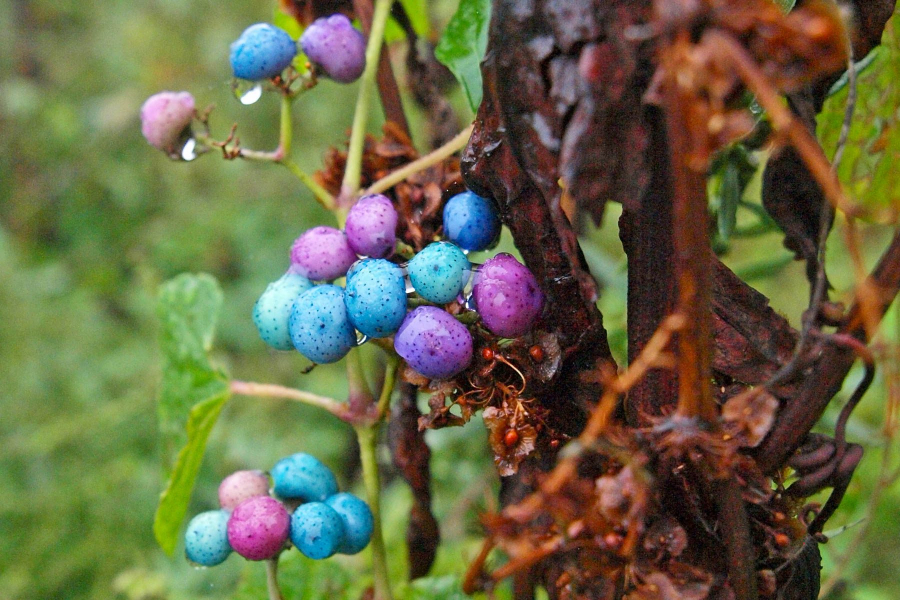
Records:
x=434, y=343
x=322, y=254
x=507, y=296
x=241, y=485
x=259, y=527
x=372, y=226
x=165, y=117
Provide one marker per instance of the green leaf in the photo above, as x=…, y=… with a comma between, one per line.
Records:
x=173, y=503
x=287, y=22
x=463, y=44
x=417, y=11
x=192, y=392
x=786, y=5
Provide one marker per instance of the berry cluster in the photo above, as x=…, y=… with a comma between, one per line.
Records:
x=306, y=510
x=322, y=321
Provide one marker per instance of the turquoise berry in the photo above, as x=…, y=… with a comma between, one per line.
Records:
x=304, y=477
x=358, y=521
x=375, y=297
x=439, y=272
x=471, y=222
x=317, y=530
x=319, y=327
x=273, y=309
x=434, y=343
x=206, y=539
x=263, y=51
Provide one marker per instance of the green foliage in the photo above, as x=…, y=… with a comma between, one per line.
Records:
x=463, y=45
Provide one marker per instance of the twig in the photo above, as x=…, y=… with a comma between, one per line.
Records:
x=270, y=390
x=272, y=579
x=387, y=388
x=420, y=164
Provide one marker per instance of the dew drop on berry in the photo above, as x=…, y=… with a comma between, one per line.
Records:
x=189, y=150
x=247, y=92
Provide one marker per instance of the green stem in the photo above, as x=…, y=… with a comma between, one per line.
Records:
x=272, y=579
x=390, y=378
x=356, y=378
x=432, y=158
x=285, y=141
x=320, y=193
x=366, y=434
x=353, y=169
x=269, y=390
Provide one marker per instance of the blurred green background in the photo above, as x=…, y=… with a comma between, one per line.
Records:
x=92, y=220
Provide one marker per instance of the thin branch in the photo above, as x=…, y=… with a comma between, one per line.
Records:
x=432, y=158
x=270, y=390
x=272, y=579
x=387, y=388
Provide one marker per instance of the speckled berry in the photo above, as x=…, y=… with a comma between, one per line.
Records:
x=371, y=226
x=507, y=296
x=317, y=530
x=322, y=254
x=206, y=539
x=335, y=47
x=259, y=527
x=319, y=326
x=166, y=120
x=434, y=343
x=439, y=272
x=471, y=222
x=241, y=485
x=304, y=477
x=262, y=51
x=375, y=297
x=273, y=309
x=357, y=519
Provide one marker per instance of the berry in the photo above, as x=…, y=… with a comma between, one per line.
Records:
x=241, y=485
x=263, y=51
x=319, y=326
x=273, y=309
x=507, y=296
x=434, y=343
x=259, y=527
x=335, y=47
x=471, y=222
x=303, y=476
x=357, y=519
x=206, y=539
x=376, y=297
x=439, y=272
x=322, y=254
x=317, y=530
x=371, y=226
x=166, y=120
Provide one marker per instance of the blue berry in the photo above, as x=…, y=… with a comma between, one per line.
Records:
x=304, y=477
x=439, y=272
x=358, y=521
x=375, y=297
x=335, y=47
x=371, y=226
x=273, y=309
x=263, y=51
x=206, y=539
x=471, y=222
x=317, y=530
x=319, y=326
x=434, y=343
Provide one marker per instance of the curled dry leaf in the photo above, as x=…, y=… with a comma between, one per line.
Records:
x=511, y=439
x=749, y=416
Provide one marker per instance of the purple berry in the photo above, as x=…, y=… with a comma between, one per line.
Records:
x=371, y=226
x=434, y=343
x=507, y=296
x=317, y=530
x=259, y=527
x=241, y=485
x=263, y=51
x=206, y=539
x=166, y=120
x=335, y=47
x=322, y=254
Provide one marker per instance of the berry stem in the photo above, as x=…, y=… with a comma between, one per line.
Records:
x=387, y=388
x=359, y=393
x=432, y=158
x=367, y=436
x=285, y=141
x=269, y=390
x=353, y=170
x=272, y=579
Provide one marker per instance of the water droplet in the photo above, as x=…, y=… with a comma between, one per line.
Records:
x=410, y=289
x=189, y=150
x=247, y=92
x=197, y=566
x=469, y=302
x=361, y=339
